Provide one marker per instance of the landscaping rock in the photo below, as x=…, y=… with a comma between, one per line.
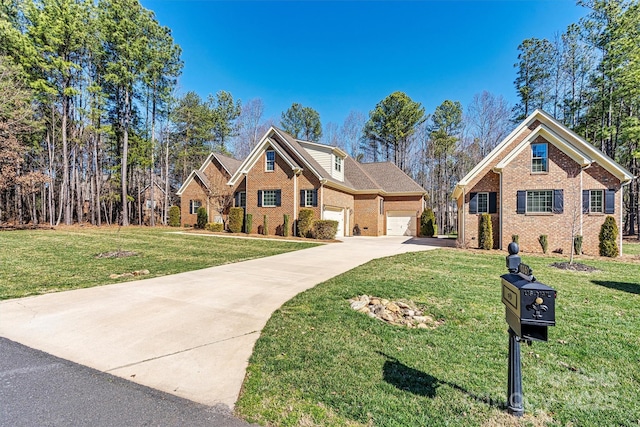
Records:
x=394, y=312
x=132, y=274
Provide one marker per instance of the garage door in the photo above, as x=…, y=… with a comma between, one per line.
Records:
x=401, y=223
x=335, y=215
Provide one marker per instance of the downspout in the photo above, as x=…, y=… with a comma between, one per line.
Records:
x=463, y=222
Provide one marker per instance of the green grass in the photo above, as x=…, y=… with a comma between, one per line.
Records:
x=318, y=362
x=38, y=261
x=631, y=247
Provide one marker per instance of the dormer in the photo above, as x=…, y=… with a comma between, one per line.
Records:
x=330, y=158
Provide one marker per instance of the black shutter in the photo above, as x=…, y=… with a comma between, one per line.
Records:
x=558, y=201
x=493, y=202
x=585, y=201
x=303, y=197
x=259, y=198
x=315, y=197
x=609, y=201
x=521, y=206
x=236, y=199
x=473, y=203
x=278, y=198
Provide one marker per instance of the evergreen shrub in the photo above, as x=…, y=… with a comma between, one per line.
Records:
x=324, y=229
x=236, y=216
x=428, y=226
x=174, y=216
x=609, y=237
x=305, y=222
x=202, y=216
x=485, y=232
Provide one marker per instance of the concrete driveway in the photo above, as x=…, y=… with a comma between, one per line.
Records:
x=189, y=334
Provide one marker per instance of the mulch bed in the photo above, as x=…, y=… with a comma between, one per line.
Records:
x=576, y=266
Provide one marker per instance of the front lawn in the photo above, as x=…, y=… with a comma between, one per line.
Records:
x=39, y=261
x=318, y=362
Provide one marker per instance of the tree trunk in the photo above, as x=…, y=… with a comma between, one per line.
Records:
x=125, y=151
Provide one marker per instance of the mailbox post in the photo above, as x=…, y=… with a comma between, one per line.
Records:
x=529, y=310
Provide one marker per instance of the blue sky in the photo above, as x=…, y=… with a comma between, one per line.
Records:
x=335, y=56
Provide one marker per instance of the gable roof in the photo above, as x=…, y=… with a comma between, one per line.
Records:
x=390, y=178
x=557, y=134
x=381, y=178
x=196, y=173
x=229, y=164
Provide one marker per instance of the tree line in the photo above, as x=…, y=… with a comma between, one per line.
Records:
x=91, y=124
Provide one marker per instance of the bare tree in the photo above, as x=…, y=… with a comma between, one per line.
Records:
x=250, y=127
x=487, y=121
x=331, y=135
x=351, y=133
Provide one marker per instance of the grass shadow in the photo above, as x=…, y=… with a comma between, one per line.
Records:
x=632, y=288
x=419, y=383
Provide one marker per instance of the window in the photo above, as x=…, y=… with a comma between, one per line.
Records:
x=337, y=165
x=308, y=198
x=540, y=201
x=596, y=199
x=381, y=206
x=241, y=199
x=194, y=205
x=483, y=203
x=539, y=158
x=148, y=204
x=269, y=198
x=271, y=161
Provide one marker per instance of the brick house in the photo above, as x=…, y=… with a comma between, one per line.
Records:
x=541, y=179
x=283, y=174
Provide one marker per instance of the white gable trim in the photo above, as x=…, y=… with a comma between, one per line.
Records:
x=300, y=156
x=550, y=136
x=208, y=161
x=255, y=155
x=561, y=133
x=187, y=181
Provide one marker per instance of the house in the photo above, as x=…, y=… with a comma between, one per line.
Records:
x=541, y=179
x=283, y=174
x=157, y=205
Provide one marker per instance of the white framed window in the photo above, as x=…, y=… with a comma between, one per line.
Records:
x=308, y=198
x=540, y=201
x=483, y=203
x=596, y=201
x=270, y=164
x=539, y=157
x=148, y=204
x=337, y=164
x=194, y=205
x=269, y=198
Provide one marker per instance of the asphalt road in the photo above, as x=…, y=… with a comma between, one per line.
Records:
x=37, y=389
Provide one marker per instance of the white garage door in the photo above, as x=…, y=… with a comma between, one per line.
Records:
x=401, y=224
x=335, y=215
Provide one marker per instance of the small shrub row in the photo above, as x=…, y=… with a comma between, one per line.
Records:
x=324, y=229
x=214, y=226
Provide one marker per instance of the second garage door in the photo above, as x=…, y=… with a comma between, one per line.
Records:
x=401, y=223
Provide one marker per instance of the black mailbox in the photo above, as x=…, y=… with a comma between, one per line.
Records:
x=530, y=305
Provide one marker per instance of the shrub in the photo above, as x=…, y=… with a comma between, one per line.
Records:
x=203, y=217
x=428, y=226
x=609, y=237
x=248, y=224
x=324, y=229
x=285, y=229
x=485, y=232
x=174, y=216
x=305, y=222
x=265, y=226
x=515, y=238
x=236, y=216
x=215, y=226
x=577, y=244
x=544, y=242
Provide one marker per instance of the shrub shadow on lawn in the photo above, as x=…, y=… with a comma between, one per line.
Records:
x=632, y=288
x=417, y=382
